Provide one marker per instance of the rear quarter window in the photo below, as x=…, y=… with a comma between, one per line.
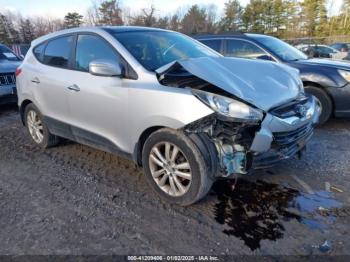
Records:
x=38, y=52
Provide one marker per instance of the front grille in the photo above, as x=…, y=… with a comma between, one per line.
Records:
x=285, y=145
x=284, y=139
x=7, y=79
x=292, y=108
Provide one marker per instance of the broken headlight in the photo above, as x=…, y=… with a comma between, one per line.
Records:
x=345, y=74
x=229, y=107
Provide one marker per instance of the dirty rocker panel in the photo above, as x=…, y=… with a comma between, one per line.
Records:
x=85, y=137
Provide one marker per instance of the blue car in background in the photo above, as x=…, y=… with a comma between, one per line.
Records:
x=9, y=62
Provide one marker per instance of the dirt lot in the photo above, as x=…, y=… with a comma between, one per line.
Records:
x=73, y=199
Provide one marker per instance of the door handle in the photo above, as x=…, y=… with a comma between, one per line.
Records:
x=74, y=88
x=36, y=80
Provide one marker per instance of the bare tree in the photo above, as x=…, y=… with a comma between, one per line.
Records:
x=145, y=18
x=92, y=14
x=175, y=23
x=211, y=17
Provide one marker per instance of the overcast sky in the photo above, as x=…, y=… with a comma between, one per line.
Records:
x=58, y=8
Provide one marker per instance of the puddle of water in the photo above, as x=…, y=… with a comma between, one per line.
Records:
x=254, y=211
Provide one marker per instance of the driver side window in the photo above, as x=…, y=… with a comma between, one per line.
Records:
x=91, y=47
x=243, y=49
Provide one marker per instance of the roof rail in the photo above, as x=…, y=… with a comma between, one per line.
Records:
x=218, y=34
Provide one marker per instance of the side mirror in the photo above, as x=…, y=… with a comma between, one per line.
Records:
x=105, y=68
x=265, y=57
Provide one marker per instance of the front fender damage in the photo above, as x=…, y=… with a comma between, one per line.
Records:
x=231, y=141
x=224, y=144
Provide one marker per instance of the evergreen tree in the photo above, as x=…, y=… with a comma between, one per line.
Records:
x=73, y=20
x=110, y=13
x=232, y=16
x=345, y=17
x=194, y=20
x=253, y=17
x=315, y=16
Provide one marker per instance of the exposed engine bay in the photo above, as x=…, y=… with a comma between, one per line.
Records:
x=232, y=142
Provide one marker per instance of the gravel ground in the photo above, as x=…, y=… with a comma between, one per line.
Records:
x=73, y=199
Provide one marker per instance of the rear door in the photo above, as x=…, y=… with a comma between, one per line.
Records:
x=98, y=104
x=215, y=44
x=243, y=49
x=49, y=80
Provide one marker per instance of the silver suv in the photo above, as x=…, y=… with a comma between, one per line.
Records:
x=183, y=112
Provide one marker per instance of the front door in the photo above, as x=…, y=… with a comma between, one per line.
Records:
x=98, y=104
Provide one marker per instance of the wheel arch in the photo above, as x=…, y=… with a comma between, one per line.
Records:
x=317, y=85
x=137, y=154
x=22, y=108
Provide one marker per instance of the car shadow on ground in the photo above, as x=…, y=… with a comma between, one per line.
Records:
x=7, y=108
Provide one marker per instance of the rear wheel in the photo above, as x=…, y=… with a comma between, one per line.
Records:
x=323, y=101
x=37, y=129
x=175, y=168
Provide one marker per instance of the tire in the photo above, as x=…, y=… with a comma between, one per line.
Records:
x=200, y=182
x=324, y=101
x=48, y=139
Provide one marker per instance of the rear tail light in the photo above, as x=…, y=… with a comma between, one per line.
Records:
x=18, y=71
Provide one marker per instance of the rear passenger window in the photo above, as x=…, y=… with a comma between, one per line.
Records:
x=213, y=44
x=57, y=52
x=38, y=52
x=91, y=47
x=243, y=49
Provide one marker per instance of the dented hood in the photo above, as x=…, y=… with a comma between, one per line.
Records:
x=261, y=83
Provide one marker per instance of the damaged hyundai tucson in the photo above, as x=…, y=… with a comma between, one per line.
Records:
x=179, y=110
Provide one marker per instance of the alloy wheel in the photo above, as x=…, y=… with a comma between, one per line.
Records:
x=35, y=126
x=170, y=169
x=318, y=102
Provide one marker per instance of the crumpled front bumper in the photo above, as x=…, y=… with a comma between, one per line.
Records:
x=282, y=138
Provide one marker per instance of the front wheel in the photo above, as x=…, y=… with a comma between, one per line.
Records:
x=175, y=168
x=323, y=101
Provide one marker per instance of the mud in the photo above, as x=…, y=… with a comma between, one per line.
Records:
x=73, y=199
